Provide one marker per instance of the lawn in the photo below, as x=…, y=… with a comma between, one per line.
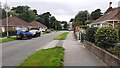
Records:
x=7, y=39
x=43, y=33
x=46, y=57
x=62, y=36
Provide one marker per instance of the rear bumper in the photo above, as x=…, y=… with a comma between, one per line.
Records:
x=23, y=36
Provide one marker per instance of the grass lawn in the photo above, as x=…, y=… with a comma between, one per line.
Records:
x=62, y=36
x=46, y=57
x=43, y=33
x=7, y=39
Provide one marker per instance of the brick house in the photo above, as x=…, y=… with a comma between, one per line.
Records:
x=111, y=18
x=13, y=23
x=37, y=25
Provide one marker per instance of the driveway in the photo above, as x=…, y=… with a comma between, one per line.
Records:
x=14, y=52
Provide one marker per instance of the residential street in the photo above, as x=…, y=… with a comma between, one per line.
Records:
x=78, y=33
x=14, y=52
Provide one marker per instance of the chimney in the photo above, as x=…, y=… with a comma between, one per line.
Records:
x=110, y=4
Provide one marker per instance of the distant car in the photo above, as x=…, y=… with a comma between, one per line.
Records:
x=42, y=30
x=35, y=32
x=48, y=30
x=23, y=35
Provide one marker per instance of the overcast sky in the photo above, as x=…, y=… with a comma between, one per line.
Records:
x=63, y=9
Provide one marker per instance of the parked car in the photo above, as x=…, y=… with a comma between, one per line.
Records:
x=35, y=32
x=48, y=31
x=23, y=35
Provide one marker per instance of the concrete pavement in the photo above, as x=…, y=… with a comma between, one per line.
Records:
x=77, y=55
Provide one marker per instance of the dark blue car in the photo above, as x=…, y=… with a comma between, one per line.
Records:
x=24, y=34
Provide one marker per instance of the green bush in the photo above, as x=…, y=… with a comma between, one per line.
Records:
x=115, y=50
x=11, y=33
x=119, y=33
x=90, y=34
x=106, y=37
x=84, y=26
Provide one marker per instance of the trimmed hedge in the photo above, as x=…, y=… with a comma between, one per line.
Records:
x=119, y=33
x=106, y=37
x=115, y=50
x=90, y=34
x=11, y=33
x=84, y=26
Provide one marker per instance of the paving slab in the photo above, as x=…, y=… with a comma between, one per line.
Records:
x=51, y=44
x=77, y=55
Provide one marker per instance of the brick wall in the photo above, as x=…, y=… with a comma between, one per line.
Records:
x=109, y=59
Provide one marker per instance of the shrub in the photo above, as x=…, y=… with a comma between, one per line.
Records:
x=115, y=50
x=90, y=34
x=11, y=33
x=106, y=37
x=84, y=26
x=119, y=33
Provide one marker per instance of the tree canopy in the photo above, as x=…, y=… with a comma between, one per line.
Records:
x=96, y=14
x=82, y=17
x=49, y=20
x=25, y=13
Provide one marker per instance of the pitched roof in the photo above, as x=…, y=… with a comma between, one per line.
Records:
x=112, y=15
x=13, y=21
x=36, y=24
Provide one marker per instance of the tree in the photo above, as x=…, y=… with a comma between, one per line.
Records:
x=58, y=25
x=96, y=14
x=49, y=20
x=3, y=14
x=65, y=24
x=44, y=18
x=28, y=16
x=13, y=13
x=24, y=12
x=53, y=22
x=20, y=9
x=35, y=11
x=82, y=17
x=71, y=20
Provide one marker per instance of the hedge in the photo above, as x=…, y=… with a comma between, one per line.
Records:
x=115, y=50
x=106, y=37
x=119, y=33
x=90, y=34
x=11, y=33
x=84, y=26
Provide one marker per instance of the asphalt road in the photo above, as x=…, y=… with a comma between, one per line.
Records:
x=14, y=52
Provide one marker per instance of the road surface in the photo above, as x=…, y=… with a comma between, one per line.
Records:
x=14, y=52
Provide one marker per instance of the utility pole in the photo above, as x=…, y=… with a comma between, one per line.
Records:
x=7, y=9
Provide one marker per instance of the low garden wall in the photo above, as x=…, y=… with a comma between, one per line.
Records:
x=109, y=59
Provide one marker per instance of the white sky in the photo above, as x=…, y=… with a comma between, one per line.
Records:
x=63, y=9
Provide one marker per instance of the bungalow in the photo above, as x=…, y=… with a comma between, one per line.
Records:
x=13, y=23
x=111, y=18
x=37, y=25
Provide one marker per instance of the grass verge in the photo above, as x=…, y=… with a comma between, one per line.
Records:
x=7, y=39
x=43, y=33
x=46, y=57
x=62, y=36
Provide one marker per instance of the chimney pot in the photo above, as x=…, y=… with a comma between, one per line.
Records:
x=110, y=4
